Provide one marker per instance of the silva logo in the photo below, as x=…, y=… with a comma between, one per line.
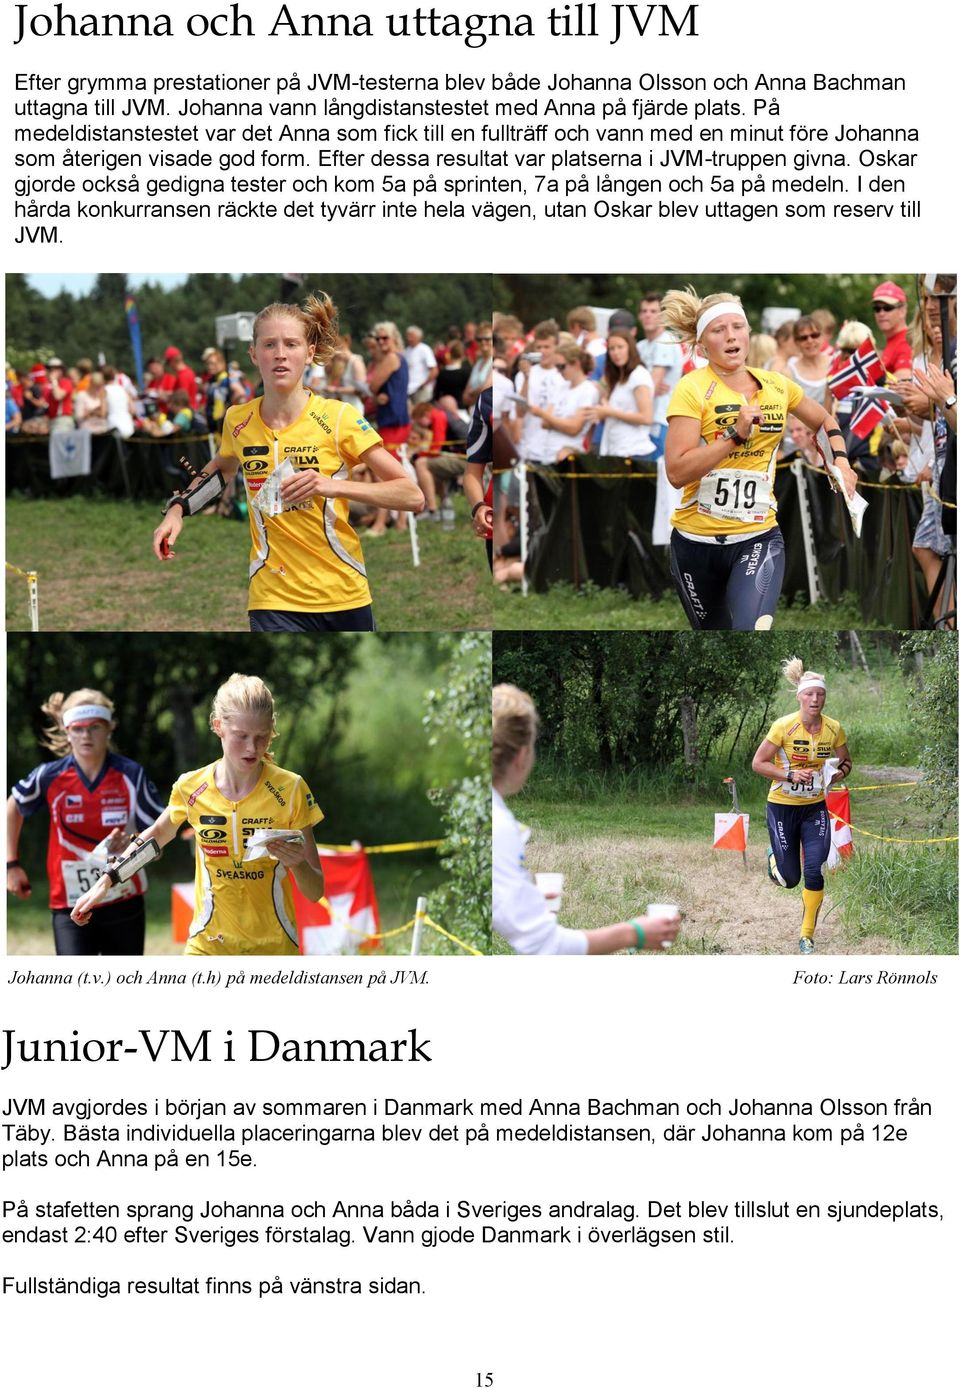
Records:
x=243, y=424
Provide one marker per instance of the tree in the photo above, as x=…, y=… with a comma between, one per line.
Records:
x=461, y=704
x=934, y=706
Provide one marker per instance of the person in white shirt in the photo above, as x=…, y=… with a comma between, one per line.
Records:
x=540, y=384
x=663, y=358
x=627, y=410
x=421, y=367
x=568, y=425
x=520, y=912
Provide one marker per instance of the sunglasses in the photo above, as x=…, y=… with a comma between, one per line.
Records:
x=885, y=308
x=807, y=337
x=383, y=339
x=484, y=339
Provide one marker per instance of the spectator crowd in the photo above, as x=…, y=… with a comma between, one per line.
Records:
x=602, y=384
x=419, y=397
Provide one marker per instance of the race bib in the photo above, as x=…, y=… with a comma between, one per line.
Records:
x=735, y=494
x=79, y=877
x=808, y=791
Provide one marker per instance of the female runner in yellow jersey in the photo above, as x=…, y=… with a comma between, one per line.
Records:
x=306, y=565
x=243, y=905
x=725, y=424
x=793, y=756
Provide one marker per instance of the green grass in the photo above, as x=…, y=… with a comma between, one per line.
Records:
x=398, y=878
x=907, y=895
x=97, y=571
x=564, y=608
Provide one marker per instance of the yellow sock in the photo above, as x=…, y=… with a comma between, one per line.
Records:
x=812, y=901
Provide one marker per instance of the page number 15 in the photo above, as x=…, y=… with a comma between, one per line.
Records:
x=483, y=1381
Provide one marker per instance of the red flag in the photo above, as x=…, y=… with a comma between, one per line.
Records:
x=346, y=916
x=867, y=416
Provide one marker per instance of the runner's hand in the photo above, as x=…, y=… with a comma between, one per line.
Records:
x=848, y=476
x=18, y=883
x=165, y=535
x=748, y=419
x=81, y=913
x=305, y=485
x=802, y=777
x=289, y=854
x=483, y=522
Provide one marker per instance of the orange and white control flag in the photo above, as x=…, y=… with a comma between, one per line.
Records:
x=731, y=831
x=841, y=835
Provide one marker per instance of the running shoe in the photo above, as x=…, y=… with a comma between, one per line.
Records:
x=773, y=871
x=806, y=946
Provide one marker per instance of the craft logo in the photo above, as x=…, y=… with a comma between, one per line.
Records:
x=243, y=424
x=192, y=800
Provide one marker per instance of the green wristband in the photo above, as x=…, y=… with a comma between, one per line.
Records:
x=641, y=937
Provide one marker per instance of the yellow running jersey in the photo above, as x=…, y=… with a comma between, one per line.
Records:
x=737, y=497
x=241, y=907
x=798, y=750
x=308, y=559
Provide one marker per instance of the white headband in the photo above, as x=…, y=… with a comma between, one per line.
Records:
x=74, y=715
x=810, y=682
x=718, y=311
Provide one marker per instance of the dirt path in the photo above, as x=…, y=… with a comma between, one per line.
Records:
x=727, y=910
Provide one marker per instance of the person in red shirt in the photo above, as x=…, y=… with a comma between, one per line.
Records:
x=94, y=798
x=177, y=376
x=60, y=401
x=890, y=309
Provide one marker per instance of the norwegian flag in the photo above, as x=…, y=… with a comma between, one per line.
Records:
x=867, y=416
x=863, y=369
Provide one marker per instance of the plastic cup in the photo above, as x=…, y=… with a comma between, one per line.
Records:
x=550, y=885
x=663, y=910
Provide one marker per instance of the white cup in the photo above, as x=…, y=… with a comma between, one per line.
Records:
x=550, y=884
x=663, y=910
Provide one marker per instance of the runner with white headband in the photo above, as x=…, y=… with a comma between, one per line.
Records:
x=801, y=754
x=725, y=425
x=95, y=799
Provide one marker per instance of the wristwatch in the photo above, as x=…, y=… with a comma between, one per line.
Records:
x=949, y=403
x=733, y=433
